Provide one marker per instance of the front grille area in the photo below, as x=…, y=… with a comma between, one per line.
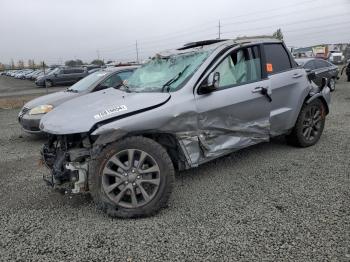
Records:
x=23, y=111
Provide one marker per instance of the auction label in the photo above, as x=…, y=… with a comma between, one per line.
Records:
x=110, y=111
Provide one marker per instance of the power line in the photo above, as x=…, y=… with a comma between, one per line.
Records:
x=288, y=24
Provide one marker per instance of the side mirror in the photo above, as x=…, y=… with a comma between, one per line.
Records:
x=211, y=84
x=100, y=87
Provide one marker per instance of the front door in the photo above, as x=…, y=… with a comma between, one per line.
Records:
x=237, y=114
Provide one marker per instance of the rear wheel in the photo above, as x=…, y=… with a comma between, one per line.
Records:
x=331, y=84
x=131, y=178
x=309, y=126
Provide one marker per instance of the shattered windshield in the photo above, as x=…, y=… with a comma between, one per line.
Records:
x=166, y=73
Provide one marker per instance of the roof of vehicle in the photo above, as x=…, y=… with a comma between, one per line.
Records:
x=119, y=68
x=238, y=40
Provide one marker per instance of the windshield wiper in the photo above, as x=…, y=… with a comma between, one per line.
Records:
x=71, y=90
x=127, y=89
x=174, y=79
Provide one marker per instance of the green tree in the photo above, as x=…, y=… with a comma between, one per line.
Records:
x=97, y=62
x=278, y=34
x=72, y=63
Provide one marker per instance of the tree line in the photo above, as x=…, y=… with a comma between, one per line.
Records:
x=20, y=64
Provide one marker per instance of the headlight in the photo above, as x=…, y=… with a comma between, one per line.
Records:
x=43, y=109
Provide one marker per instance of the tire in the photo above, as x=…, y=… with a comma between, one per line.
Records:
x=331, y=84
x=48, y=83
x=348, y=78
x=120, y=189
x=307, y=131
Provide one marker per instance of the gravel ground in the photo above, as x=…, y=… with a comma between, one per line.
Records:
x=269, y=202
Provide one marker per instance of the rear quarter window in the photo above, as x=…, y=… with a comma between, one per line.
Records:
x=277, y=57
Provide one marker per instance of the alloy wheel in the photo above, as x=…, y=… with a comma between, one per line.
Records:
x=131, y=178
x=312, y=123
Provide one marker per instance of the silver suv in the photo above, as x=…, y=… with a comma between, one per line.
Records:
x=181, y=109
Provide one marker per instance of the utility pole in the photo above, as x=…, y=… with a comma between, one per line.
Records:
x=44, y=65
x=137, y=53
x=219, y=30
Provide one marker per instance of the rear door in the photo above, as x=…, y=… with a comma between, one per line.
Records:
x=288, y=87
x=236, y=115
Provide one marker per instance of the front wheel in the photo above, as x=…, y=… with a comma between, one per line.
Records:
x=309, y=126
x=48, y=83
x=131, y=178
x=331, y=84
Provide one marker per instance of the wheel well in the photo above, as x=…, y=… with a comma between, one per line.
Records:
x=172, y=146
x=321, y=98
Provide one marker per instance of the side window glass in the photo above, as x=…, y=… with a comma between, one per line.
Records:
x=112, y=81
x=240, y=67
x=125, y=75
x=277, y=58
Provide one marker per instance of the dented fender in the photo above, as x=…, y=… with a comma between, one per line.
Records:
x=324, y=95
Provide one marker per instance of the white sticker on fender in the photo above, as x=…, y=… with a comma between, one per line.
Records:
x=110, y=111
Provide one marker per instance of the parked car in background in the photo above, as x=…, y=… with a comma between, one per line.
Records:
x=31, y=113
x=91, y=67
x=36, y=74
x=93, y=70
x=183, y=108
x=321, y=68
x=62, y=76
x=23, y=73
x=30, y=75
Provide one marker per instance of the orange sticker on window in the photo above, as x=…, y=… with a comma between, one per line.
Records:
x=269, y=68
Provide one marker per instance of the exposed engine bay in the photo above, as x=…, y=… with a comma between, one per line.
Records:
x=67, y=157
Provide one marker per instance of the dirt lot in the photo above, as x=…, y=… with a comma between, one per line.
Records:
x=15, y=92
x=271, y=202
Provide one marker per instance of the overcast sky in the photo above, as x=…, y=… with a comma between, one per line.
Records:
x=58, y=30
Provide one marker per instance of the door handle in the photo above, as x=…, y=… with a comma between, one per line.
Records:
x=297, y=75
x=257, y=89
x=263, y=91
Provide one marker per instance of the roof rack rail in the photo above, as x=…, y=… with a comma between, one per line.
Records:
x=201, y=43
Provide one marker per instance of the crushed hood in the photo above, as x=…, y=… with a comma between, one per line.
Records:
x=80, y=114
x=54, y=99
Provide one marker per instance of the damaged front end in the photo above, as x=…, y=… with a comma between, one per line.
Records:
x=67, y=157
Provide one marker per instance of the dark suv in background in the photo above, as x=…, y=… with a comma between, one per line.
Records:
x=62, y=76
